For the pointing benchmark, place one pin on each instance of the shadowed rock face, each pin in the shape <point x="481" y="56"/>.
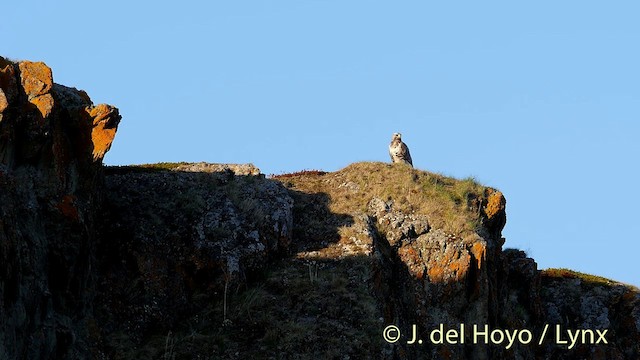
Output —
<point x="179" y="238"/>
<point x="201" y="261"/>
<point x="52" y="140"/>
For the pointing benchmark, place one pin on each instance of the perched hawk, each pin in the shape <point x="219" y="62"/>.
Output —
<point x="399" y="151"/>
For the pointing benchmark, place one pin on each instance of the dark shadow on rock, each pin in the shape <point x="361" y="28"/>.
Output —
<point x="315" y="225"/>
<point x="50" y="194"/>
<point x="175" y="241"/>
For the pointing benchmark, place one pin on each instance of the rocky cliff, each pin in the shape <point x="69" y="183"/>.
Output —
<point x="52" y="140"/>
<point x="202" y="261"/>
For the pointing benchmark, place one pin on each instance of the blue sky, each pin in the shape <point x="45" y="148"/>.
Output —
<point x="539" y="99"/>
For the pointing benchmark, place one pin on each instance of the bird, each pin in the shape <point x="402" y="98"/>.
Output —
<point x="399" y="151"/>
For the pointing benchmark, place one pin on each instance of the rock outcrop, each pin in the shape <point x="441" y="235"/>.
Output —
<point x="181" y="238"/>
<point x="199" y="261"/>
<point x="52" y="140"/>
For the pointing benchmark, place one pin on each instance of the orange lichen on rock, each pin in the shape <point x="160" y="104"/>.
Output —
<point x="28" y="87"/>
<point x="453" y="265"/>
<point x="495" y="216"/>
<point x="8" y="82"/>
<point x="36" y="78"/>
<point x="44" y="103"/>
<point x="4" y="103"/>
<point x="496" y="203"/>
<point x="105" y="124"/>
<point x="412" y="259"/>
<point x="479" y="251"/>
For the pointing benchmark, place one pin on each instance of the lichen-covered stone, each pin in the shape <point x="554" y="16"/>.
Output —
<point x="4" y="103"/>
<point x="36" y="78"/>
<point x="105" y="124"/>
<point x="44" y="104"/>
<point x="8" y="80"/>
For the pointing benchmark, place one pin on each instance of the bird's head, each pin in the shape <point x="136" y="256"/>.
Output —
<point x="396" y="136"/>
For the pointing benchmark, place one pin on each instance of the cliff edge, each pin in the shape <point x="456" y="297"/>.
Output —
<point x="52" y="140"/>
<point x="200" y="261"/>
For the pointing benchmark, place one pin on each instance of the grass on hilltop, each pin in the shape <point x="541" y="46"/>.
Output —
<point x="448" y="203"/>
<point x="562" y="273"/>
<point x="143" y="168"/>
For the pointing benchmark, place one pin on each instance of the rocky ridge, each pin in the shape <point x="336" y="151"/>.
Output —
<point x="201" y="261"/>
